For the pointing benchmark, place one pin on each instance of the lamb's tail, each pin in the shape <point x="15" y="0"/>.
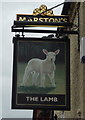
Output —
<point x="26" y="76"/>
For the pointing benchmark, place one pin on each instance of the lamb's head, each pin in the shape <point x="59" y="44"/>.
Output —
<point x="51" y="55"/>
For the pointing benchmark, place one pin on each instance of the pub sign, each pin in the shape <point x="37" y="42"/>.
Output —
<point x="41" y="73"/>
<point x="43" y="18"/>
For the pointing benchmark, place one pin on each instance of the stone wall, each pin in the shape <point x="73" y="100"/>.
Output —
<point x="82" y="33"/>
<point x="77" y="69"/>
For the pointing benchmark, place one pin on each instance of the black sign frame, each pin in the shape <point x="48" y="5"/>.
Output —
<point x="33" y="101"/>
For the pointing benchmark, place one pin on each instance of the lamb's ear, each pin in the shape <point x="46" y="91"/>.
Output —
<point x="57" y="52"/>
<point x="45" y="51"/>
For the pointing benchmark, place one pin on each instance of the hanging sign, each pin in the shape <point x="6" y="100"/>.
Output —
<point x="31" y="18"/>
<point x="41" y="74"/>
<point x="46" y="17"/>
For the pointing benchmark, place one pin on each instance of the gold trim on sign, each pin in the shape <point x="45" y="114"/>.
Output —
<point x="45" y="16"/>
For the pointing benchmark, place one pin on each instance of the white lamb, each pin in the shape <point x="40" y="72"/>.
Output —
<point x="40" y="67"/>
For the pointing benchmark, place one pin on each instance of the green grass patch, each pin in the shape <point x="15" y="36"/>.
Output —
<point x="34" y="89"/>
<point x="60" y="80"/>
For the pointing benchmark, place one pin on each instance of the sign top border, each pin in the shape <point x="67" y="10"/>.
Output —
<point x="42" y="16"/>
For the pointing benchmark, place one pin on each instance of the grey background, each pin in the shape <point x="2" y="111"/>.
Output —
<point x="8" y="11"/>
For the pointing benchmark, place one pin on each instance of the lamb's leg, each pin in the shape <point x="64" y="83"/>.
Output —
<point x="25" y="77"/>
<point x="34" y="78"/>
<point x="43" y="80"/>
<point x="51" y="76"/>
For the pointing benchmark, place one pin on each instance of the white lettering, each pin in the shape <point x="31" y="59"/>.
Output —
<point x="32" y="99"/>
<point x="49" y="99"/>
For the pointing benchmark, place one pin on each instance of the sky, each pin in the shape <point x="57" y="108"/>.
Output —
<point x="8" y="11"/>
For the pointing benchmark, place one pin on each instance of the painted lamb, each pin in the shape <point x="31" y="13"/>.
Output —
<point x="40" y="67"/>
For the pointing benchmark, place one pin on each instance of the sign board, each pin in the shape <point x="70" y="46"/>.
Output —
<point x="44" y="21"/>
<point x="41" y="73"/>
<point x="61" y="18"/>
<point x="43" y="18"/>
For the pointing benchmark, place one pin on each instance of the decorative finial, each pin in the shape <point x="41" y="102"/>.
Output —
<point x="41" y="9"/>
